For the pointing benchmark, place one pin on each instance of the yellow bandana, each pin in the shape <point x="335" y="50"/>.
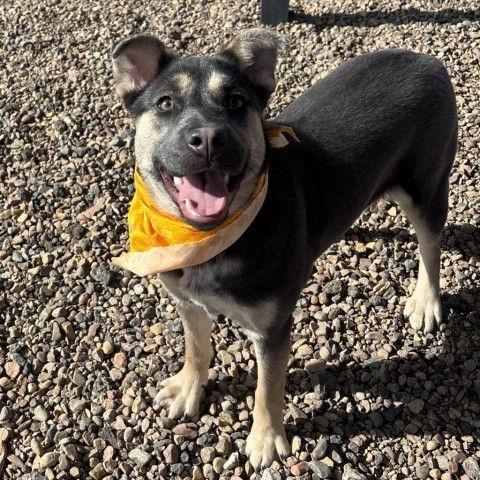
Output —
<point x="160" y="242"/>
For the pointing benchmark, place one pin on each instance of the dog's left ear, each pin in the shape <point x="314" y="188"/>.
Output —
<point x="255" y="52"/>
<point x="136" y="61"/>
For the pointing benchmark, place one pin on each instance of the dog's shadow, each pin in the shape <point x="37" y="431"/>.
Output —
<point x="377" y="17"/>
<point x="426" y="389"/>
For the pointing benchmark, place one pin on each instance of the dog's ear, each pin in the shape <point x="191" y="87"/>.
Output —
<point x="136" y="61"/>
<point x="255" y="52"/>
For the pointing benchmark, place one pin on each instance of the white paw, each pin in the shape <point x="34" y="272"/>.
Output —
<point x="424" y="310"/>
<point x="182" y="393"/>
<point x="266" y="443"/>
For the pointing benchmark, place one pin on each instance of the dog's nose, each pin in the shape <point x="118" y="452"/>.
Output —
<point x="207" y="141"/>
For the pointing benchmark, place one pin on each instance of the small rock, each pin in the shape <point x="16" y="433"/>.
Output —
<point x="299" y="469"/>
<point x="296" y="444"/>
<point x="78" y="379"/>
<point x="232" y="462"/>
<point x="472" y="468"/>
<point x="207" y="454"/>
<point x="185" y="430"/>
<point x="12" y="369"/>
<point x="422" y="471"/>
<point x="98" y="472"/>
<point x="218" y="464"/>
<point x="271" y="474"/>
<point x="107" y="348"/>
<point x="298" y="415"/>
<point x="431" y="445"/>
<point x="350" y="473"/>
<point x="170" y="454"/>
<point x="49" y="459"/>
<point x="41" y="414"/>
<point x="120" y="360"/>
<point x="17" y="257"/>
<point x="320" y="449"/>
<point x="141" y="457"/>
<point x="56" y="332"/>
<point x="128" y="434"/>
<point x="68" y="330"/>
<point x="416" y="406"/>
<point x="320" y="469"/>
<point x="224" y="445"/>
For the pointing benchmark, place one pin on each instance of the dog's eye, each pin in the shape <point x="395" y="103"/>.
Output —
<point x="165" y="104"/>
<point x="236" y="101"/>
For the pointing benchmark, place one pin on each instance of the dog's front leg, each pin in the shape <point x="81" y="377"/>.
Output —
<point x="267" y="439"/>
<point x="182" y="392"/>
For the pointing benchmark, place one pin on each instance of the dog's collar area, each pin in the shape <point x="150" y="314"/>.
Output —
<point x="160" y="242"/>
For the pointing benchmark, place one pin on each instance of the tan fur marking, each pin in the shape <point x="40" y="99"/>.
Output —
<point x="185" y="82"/>
<point x="183" y="391"/>
<point x="215" y="83"/>
<point x="147" y="132"/>
<point x="267" y="439"/>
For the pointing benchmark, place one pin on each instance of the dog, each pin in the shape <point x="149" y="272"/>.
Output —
<point x="382" y="125"/>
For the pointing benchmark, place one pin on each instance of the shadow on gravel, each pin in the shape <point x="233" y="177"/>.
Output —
<point x="426" y="392"/>
<point x="400" y="16"/>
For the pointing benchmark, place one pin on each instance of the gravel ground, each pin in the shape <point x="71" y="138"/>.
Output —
<point x="84" y="347"/>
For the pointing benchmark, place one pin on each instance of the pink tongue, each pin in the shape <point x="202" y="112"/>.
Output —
<point x="207" y="193"/>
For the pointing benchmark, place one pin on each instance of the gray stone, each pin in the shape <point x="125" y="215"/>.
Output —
<point x="416" y="406"/>
<point x="471" y="468"/>
<point x="140" y="457"/>
<point x="320" y="449"/>
<point x="271" y="474"/>
<point x="320" y="469"/>
<point x="350" y="473"/>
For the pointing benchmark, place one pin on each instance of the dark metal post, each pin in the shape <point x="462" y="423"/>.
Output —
<point x="274" y="12"/>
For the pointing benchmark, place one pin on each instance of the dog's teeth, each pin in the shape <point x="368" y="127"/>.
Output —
<point x="226" y="178"/>
<point x="177" y="181"/>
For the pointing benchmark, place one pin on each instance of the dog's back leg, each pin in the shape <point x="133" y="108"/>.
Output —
<point x="423" y="308"/>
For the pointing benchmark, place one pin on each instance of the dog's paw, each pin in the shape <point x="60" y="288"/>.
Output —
<point x="181" y="393"/>
<point x="266" y="443"/>
<point x="424" y="311"/>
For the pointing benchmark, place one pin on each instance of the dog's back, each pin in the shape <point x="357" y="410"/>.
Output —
<point x="380" y="122"/>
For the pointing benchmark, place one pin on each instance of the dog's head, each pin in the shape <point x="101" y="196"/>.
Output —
<point x="199" y="144"/>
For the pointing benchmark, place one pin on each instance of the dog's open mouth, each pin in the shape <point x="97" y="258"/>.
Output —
<point x="203" y="197"/>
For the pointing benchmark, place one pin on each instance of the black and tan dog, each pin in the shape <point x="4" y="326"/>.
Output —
<point x="383" y="124"/>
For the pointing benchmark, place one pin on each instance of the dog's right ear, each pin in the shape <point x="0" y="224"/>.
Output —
<point x="136" y="61"/>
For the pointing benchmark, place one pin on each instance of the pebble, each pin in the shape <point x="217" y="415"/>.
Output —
<point x="41" y="413"/>
<point x="224" y="446"/>
<point x="320" y="469"/>
<point x="472" y="468"/>
<point x="78" y="378"/>
<point x="98" y="472"/>
<point x="299" y="469"/>
<point x="416" y="406"/>
<point x="271" y="474"/>
<point x="320" y="449"/>
<point x="49" y="459"/>
<point x="120" y="360"/>
<point x="56" y="332"/>
<point x="207" y="454"/>
<point x="170" y="454"/>
<point x="140" y="457"/>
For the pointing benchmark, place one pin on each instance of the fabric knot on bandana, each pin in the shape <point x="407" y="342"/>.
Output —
<point x="160" y="242"/>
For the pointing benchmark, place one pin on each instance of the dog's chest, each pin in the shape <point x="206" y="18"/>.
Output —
<point x="205" y="287"/>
